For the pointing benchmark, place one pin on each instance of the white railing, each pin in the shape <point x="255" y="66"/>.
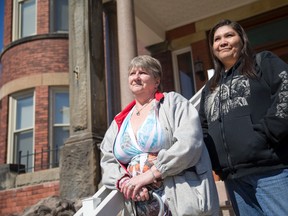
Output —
<point x="108" y="202"/>
<point x="111" y="202"/>
<point x="104" y="202"/>
<point x="195" y="100"/>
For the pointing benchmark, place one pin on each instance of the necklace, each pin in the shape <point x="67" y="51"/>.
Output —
<point x="138" y="111"/>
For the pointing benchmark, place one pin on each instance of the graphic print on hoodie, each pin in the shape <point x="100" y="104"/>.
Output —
<point x="229" y="95"/>
<point x="283" y="96"/>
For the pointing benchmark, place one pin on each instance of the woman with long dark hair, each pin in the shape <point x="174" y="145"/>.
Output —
<point x="244" y="116"/>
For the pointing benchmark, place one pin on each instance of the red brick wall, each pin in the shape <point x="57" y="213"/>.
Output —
<point x="167" y="80"/>
<point x="41" y="126"/>
<point x="8" y="18"/>
<point x="3" y="129"/>
<point x="34" y="57"/>
<point x="16" y="200"/>
<point x="200" y="51"/>
<point x="42" y="17"/>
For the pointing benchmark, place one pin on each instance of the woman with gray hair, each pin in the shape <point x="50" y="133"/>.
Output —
<point x="155" y="144"/>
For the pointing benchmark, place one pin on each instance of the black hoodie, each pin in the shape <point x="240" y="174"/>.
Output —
<point x="245" y="121"/>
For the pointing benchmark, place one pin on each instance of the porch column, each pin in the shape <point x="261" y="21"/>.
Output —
<point x="80" y="172"/>
<point x="127" y="45"/>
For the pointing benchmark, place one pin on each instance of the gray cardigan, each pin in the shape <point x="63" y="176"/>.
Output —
<point x="183" y="148"/>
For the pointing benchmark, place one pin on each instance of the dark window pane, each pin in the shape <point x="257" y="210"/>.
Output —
<point x="24" y="144"/>
<point x="186" y="75"/>
<point x="269" y="32"/>
<point x="59" y="16"/>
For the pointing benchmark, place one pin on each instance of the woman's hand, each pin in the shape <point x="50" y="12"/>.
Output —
<point x="142" y="195"/>
<point x="135" y="187"/>
<point x="128" y="189"/>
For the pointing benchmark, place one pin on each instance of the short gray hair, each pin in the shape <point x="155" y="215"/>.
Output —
<point x="148" y="63"/>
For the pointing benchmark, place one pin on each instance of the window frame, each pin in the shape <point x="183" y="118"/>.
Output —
<point x="52" y="92"/>
<point x="11" y="148"/>
<point x="177" y="82"/>
<point x="16" y="30"/>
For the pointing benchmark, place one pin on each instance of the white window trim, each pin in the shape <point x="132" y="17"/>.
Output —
<point x="52" y="92"/>
<point x="12" y="123"/>
<point x="16" y="16"/>
<point x="176" y="69"/>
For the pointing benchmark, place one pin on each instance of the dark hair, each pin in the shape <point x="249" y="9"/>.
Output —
<point x="246" y="54"/>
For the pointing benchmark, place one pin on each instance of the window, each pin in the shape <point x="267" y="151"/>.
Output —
<point x="24" y="20"/>
<point x="21" y="130"/>
<point x="183" y="72"/>
<point x="59" y="16"/>
<point x="270" y="36"/>
<point x="267" y="33"/>
<point x="60" y="121"/>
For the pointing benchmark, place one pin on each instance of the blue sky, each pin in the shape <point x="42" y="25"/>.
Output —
<point x="1" y="23"/>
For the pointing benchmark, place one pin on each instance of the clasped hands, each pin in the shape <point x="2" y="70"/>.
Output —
<point x="135" y="187"/>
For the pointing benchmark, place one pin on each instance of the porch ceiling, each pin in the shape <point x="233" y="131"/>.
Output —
<point x="154" y="17"/>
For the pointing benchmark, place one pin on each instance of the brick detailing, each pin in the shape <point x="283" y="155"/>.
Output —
<point x="35" y="57"/>
<point x="15" y="201"/>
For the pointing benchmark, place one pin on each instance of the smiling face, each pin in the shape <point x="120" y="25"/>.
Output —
<point x="142" y="83"/>
<point x="227" y="45"/>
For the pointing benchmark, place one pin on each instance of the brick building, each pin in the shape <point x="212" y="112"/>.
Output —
<point x="34" y="87"/>
<point x="37" y="73"/>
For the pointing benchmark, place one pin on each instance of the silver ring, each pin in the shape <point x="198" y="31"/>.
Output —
<point x="131" y="186"/>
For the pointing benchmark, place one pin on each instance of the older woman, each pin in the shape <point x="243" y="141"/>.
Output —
<point x="155" y="141"/>
<point x="244" y="115"/>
